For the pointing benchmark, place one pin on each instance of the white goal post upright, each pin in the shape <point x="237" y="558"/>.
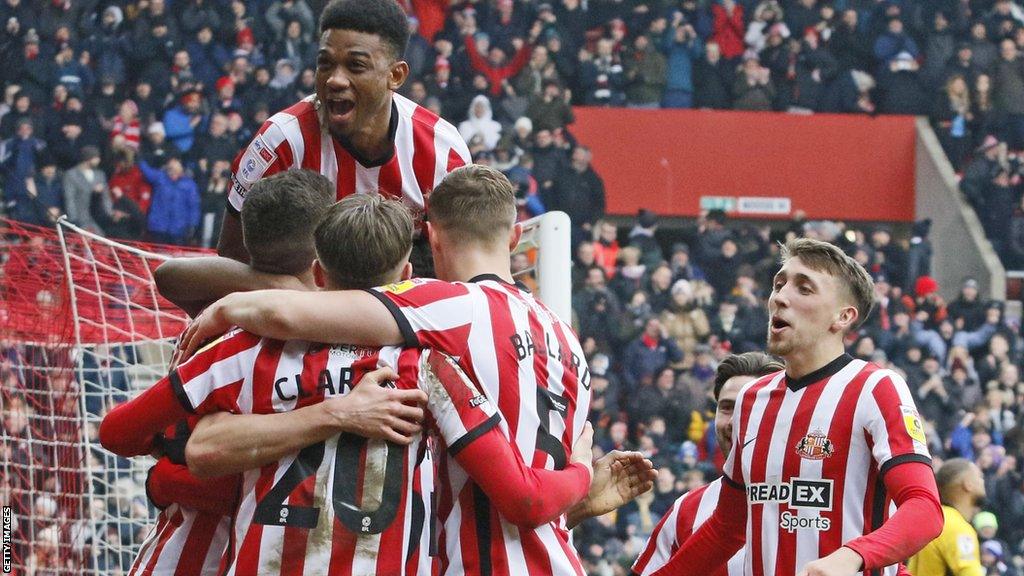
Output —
<point x="546" y="238"/>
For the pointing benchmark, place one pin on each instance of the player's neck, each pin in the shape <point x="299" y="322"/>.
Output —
<point x="964" y="504"/>
<point x="464" y="264"/>
<point x="802" y="362"/>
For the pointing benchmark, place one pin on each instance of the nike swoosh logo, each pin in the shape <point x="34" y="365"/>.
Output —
<point x="747" y="443"/>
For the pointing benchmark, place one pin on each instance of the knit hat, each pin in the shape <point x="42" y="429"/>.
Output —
<point x="925" y="285"/>
<point x="89" y="153"/>
<point x="156" y="128"/>
<point x="985" y="520"/>
<point x="993" y="547"/>
<point x="223" y="82"/>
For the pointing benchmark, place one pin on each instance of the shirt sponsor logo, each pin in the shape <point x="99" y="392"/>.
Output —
<point x="257" y="158"/>
<point x="265" y="152"/>
<point x="791" y="522"/>
<point x="815" y="446"/>
<point x="477" y="400"/>
<point x="912" y="422"/>
<point x="798" y="493"/>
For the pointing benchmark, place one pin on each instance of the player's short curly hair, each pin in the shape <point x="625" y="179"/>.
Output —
<point x="363" y="240"/>
<point x="385" y="18"/>
<point x="278" y="218"/>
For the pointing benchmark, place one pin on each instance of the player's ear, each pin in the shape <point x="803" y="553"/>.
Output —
<point x="846" y="319"/>
<point x="517" y="233"/>
<point x="319" y="274"/>
<point x="431" y="233"/>
<point x="398" y="73"/>
<point x="407" y="270"/>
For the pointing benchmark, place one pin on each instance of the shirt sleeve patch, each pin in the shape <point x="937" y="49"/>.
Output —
<point x="913" y="424"/>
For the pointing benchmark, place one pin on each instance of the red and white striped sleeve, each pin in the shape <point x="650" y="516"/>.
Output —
<point x="892" y="421"/>
<point x="461" y="412"/>
<point x="213" y="379"/>
<point x="431" y="313"/>
<point x="662" y="542"/>
<point x="268" y="153"/>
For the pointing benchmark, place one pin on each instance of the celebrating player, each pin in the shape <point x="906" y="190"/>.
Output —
<point x="528" y="362"/>
<point x="822" y="451"/>
<point x="355" y="130"/>
<point x="955" y="551"/>
<point x="358" y="514"/>
<point x="195" y="513"/>
<point x="693" y="508"/>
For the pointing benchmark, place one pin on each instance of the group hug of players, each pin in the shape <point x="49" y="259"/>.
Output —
<point x="331" y="413"/>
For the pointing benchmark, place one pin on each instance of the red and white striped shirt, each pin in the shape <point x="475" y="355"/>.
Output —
<point x="531" y="366"/>
<point x="179" y="529"/>
<point x="686" y="515"/>
<point x="426" y="148"/>
<point x="811" y="454"/>
<point x="347" y="506"/>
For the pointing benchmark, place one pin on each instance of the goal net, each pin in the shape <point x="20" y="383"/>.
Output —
<point x="82" y="329"/>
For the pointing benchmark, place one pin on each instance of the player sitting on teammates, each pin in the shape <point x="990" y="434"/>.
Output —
<point x="691" y="509"/>
<point x="342" y="504"/>
<point x="356" y="130"/>
<point x="526" y="359"/>
<point x="196" y="513"/>
<point x="822" y="451"/>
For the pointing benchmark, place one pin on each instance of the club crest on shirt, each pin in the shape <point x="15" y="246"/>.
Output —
<point x="912" y="422"/>
<point x="815" y="446"/>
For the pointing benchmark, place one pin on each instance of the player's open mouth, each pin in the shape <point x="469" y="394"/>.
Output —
<point x="339" y="109"/>
<point x="778" y="325"/>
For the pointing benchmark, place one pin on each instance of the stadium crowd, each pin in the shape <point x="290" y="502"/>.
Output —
<point x="125" y="116"/>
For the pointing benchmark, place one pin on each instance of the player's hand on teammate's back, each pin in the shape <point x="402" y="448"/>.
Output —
<point x="376" y="411"/>
<point x="842" y="562"/>
<point x="208" y="324"/>
<point x="583" y="449"/>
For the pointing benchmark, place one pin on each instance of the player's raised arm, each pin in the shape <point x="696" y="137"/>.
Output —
<point x="192" y="283"/>
<point x="350" y="316"/>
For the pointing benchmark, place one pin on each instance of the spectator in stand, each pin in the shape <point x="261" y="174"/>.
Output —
<point x="481" y="124"/>
<point x="216" y="144"/>
<point x="815" y="68"/>
<point x="549" y="161"/>
<point x="646" y="355"/>
<point x="606" y="248"/>
<point x="602" y="80"/>
<point x="579" y="192"/>
<point x="753" y="89"/>
<point x="492" y="61"/>
<point x="127" y="125"/>
<point x="683" y="319"/>
<point x="215" y="185"/>
<point x="902" y="86"/>
<point x="208" y="55"/>
<point x="296" y="46"/>
<point x="1008" y="92"/>
<point x="985" y="52"/>
<point x="529" y="83"/>
<point x="713" y="80"/>
<point x="728" y="29"/>
<point x="682" y="47"/>
<point x="851" y="47"/>
<point x="157" y="149"/>
<point x="44" y="194"/>
<point x="939" y="50"/>
<point x="953" y="117"/>
<point x="184" y="121"/>
<point x="281" y="12"/>
<point x="18" y="163"/>
<point x="893" y="42"/>
<point x="550" y="110"/>
<point x="982" y="170"/>
<point x="83" y="185"/>
<point x="174" y="212"/>
<point x="646" y="70"/>
<point x="641" y="237"/>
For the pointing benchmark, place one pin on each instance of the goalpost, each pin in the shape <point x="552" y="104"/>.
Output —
<point x="82" y="328"/>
